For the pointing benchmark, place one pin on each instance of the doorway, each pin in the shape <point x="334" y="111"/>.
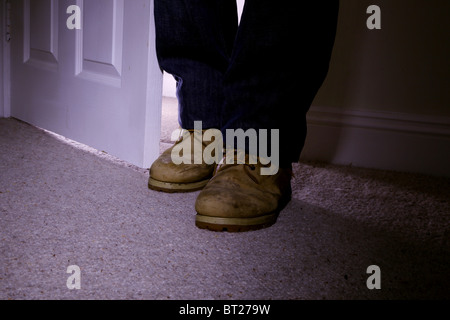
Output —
<point x="99" y="85"/>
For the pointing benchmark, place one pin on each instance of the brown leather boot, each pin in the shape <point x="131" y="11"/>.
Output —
<point x="166" y="176"/>
<point x="238" y="198"/>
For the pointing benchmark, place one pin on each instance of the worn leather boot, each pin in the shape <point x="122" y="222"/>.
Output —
<point x="167" y="176"/>
<point x="238" y="198"/>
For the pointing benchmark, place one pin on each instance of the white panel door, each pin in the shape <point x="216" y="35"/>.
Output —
<point x="99" y="85"/>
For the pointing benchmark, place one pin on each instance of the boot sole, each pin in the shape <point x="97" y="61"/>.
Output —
<point x="170" y="187"/>
<point x="235" y="224"/>
<point x="220" y="224"/>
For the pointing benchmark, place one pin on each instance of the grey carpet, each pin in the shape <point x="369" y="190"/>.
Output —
<point x="61" y="205"/>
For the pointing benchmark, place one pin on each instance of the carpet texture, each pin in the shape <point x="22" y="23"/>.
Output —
<point x="63" y="205"/>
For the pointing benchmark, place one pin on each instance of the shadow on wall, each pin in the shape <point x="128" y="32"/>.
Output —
<point x="341" y="85"/>
<point x="400" y="72"/>
<point x="401" y="68"/>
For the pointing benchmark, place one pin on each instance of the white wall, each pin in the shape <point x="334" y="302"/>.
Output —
<point x="240" y="4"/>
<point x="169" y="86"/>
<point x="404" y="67"/>
<point x="386" y="103"/>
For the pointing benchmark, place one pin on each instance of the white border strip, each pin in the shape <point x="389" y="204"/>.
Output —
<point x="407" y="123"/>
<point x="381" y="140"/>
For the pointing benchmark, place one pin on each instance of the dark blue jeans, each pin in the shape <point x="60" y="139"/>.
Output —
<point x="262" y="74"/>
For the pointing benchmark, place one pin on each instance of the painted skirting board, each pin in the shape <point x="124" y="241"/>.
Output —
<point x="381" y="140"/>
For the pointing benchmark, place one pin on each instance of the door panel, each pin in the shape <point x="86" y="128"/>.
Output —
<point x="100" y="85"/>
<point x="40" y="36"/>
<point x="101" y="45"/>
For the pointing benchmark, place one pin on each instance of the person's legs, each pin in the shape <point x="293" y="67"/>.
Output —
<point x="280" y="59"/>
<point x="194" y="40"/>
<point x="264" y="77"/>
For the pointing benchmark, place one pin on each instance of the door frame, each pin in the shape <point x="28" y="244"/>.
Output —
<point x="5" y="65"/>
<point x="154" y="97"/>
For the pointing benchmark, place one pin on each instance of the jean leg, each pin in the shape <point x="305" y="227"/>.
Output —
<point x="194" y="40"/>
<point x="280" y="59"/>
